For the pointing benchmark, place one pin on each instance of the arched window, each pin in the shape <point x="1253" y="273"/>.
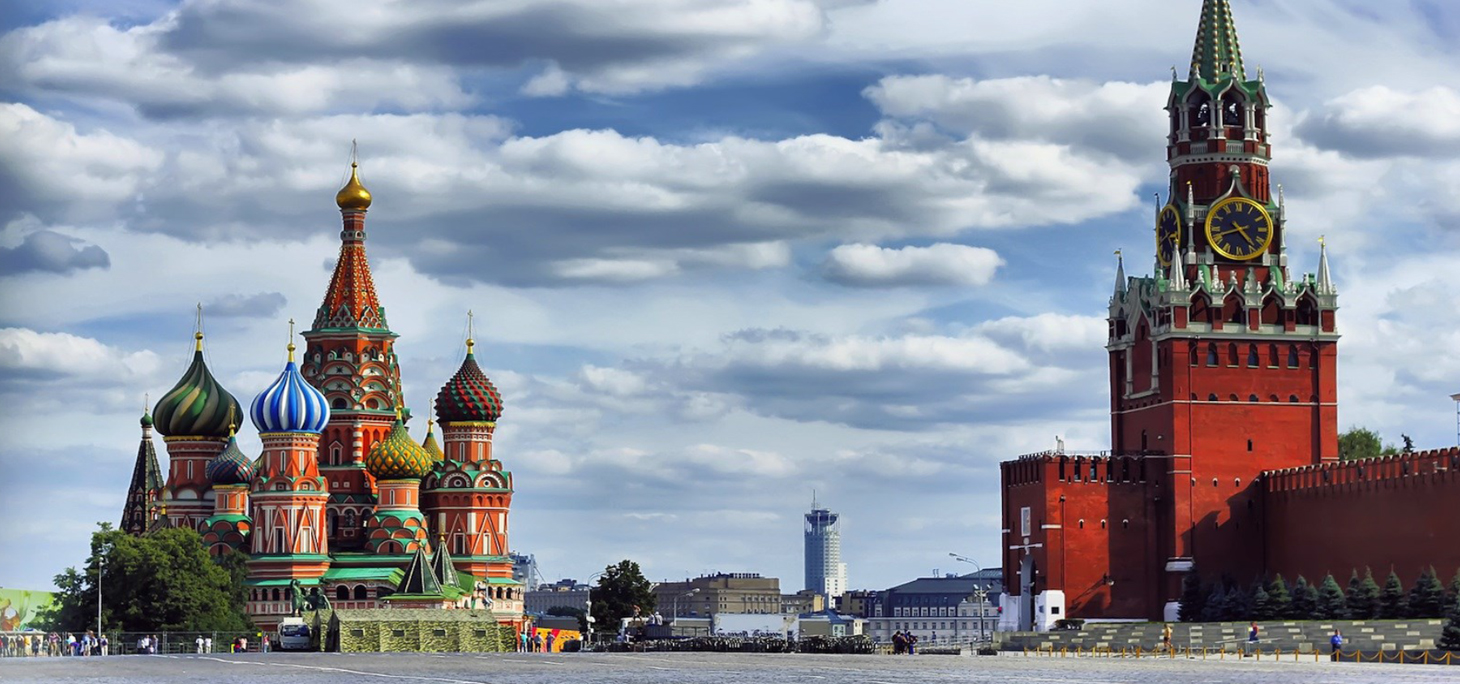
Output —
<point x="1212" y="355"/>
<point x="1252" y="361"/>
<point x="1212" y="397"/>
<point x="337" y="403"/>
<point x="342" y="593"/>
<point x="1232" y="111"/>
<point x="360" y="594"/>
<point x="1272" y="355"/>
<point x="276" y="594"/>
<point x="1232" y="355"/>
<point x="1252" y="398"/>
<point x="1292" y="356"/>
<point x="1082" y="523"/>
<point x="1292" y="398"/>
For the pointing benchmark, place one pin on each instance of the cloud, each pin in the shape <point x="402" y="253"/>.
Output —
<point x="1380" y="122"/>
<point x="45" y="355"/>
<point x="261" y="305"/>
<point x="862" y="265"/>
<point x="51" y="252"/>
<point x="49" y="167"/>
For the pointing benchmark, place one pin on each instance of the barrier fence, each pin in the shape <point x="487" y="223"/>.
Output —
<point x="1408" y="657"/>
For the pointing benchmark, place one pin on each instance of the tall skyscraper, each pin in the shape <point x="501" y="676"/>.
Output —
<point x="825" y="571"/>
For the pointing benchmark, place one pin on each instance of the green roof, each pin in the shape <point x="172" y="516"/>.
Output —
<point x="418" y="579"/>
<point x="415" y="614"/>
<point x="386" y="574"/>
<point x="1217" y="55"/>
<point x="279" y="582"/>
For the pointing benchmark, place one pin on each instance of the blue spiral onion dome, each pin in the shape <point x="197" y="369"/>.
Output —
<point x="398" y="457"/>
<point x="291" y="404"/>
<point x="469" y="397"/>
<point x="197" y="406"/>
<point x="231" y="467"/>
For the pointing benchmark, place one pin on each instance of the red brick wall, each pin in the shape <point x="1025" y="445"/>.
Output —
<point x="1400" y="512"/>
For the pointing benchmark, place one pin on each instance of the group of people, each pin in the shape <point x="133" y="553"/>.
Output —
<point x="530" y="642"/>
<point x="53" y="644"/>
<point x="904" y="643"/>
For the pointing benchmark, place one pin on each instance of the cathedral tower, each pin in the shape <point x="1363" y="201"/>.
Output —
<point x="349" y="356"/>
<point x="289" y="495"/>
<point x="468" y="496"/>
<point x="398" y="464"/>
<point x="145" y="493"/>
<point x="230" y="472"/>
<point x="193" y="418"/>
<point x="1222" y="364"/>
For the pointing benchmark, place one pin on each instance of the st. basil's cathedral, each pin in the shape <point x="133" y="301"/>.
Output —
<point x="342" y="500"/>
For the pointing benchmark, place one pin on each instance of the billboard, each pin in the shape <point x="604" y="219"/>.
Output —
<point x="19" y="608"/>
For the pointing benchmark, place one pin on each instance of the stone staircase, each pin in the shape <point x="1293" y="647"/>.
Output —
<point x="1305" y="636"/>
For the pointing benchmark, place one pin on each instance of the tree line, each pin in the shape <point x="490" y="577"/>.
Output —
<point x="1274" y="599"/>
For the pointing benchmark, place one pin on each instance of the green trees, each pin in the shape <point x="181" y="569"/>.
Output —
<point x="1359" y="442"/>
<point x="1262" y="608"/>
<point x="1450" y="634"/>
<point x="1427" y="598"/>
<point x="620" y="590"/>
<point x="1280" y="601"/>
<point x="1392" y="602"/>
<point x="1363" y="596"/>
<point x="1331" y="604"/>
<point x="1193" y="599"/>
<point x="1304" y="605"/>
<point x="164" y="581"/>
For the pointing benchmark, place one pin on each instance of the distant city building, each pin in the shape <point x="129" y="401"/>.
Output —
<point x="735" y="592"/>
<point x="939" y="609"/>
<point x="565" y="593"/>
<point x="804" y="601"/>
<point x="826" y="574"/>
<point x="854" y="601"/>
<point x="524" y="569"/>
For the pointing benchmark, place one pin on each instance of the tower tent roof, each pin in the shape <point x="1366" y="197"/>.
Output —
<point x="443" y="566"/>
<point x="419" y="579"/>
<point x="1217" y="55"/>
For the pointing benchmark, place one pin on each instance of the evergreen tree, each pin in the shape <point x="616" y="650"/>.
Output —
<point x="1279" y="598"/>
<point x="1450" y="634"/>
<point x="1239" y="603"/>
<point x="1331" y="604"/>
<point x="1305" y="601"/>
<point x="1216" y="604"/>
<point x="1261" y="603"/>
<point x="1455" y="589"/>
<point x="1193" y="599"/>
<point x="1427" y="598"/>
<point x="622" y="592"/>
<point x="1392" y="604"/>
<point x="1363" y="596"/>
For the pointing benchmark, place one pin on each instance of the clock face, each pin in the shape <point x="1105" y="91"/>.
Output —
<point x="1168" y="234"/>
<point x="1239" y="228"/>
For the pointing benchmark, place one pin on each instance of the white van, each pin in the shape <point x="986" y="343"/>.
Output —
<point x="293" y="635"/>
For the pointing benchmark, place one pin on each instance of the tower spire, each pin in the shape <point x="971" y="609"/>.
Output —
<point x="1325" y="282"/>
<point x="1216" y="55"/>
<point x="1119" y="273"/>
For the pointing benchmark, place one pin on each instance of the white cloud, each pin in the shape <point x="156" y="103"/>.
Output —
<point x="939" y="264"/>
<point x="46" y="162"/>
<point x="23" y="350"/>
<point x="1379" y="121"/>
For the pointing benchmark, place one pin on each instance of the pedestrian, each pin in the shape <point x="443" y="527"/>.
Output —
<point x="1335" y="641"/>
<point x="899" y="643"/>
<point x="550" y="641"/>
<point x="1252" y="631"/>
<point x="265" y="643"/>
<point x="522" y="646"/>
<point x="1166" y="637"/>
<point x="537" y="643"/>
<point x="208" y="644"/>
<point x="70" y="644"/>
<point x="199" y="643"/>
<point x="105" y="645"/>
<point x="912" y="644"/>
<point x="35" y="645"/>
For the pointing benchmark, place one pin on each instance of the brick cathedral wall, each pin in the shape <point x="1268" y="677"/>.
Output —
<point x="1400" y="512"/>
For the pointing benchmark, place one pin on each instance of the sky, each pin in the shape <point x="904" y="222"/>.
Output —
<point x="722" y="253"/>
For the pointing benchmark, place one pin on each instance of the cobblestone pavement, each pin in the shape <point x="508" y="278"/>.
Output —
<point x="695" y="668"/>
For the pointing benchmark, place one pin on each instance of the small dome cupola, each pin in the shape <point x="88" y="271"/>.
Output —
<point x="398" y="457"/>
<point x="197" y="406"/>
<point x="290" y="404"/>
<point x="354" y="196"/>
<point x="433" y="449"/>
<point x="231" y="467"/>
<point x="469" y="397"/>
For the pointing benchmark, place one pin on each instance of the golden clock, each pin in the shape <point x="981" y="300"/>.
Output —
<point x="1239" y="228"/>
<point x="1168" y="234"/>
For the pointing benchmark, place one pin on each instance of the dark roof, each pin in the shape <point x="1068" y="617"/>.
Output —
<point x="419" y="579"/>
<point x="964" y="584"/>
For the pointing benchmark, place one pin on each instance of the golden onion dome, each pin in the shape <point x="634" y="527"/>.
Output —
<point x="353" y="196"/>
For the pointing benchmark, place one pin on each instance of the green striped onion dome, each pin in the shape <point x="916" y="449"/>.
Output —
<point x="398" y="457"/>
<point x="197" y="406"/>
<point x="469" y="397"/>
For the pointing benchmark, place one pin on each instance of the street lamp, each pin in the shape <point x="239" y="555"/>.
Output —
<point x="966" y="559"/>
<point x="691" y="592"/>
<point x="980" y="593"/>
<point x="1456" y="397"/>
<point x="100" y="569"/>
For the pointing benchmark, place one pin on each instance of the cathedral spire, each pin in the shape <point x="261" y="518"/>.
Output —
<point x="1119" y="274"/>
<point x="350" y="302"/>
<point x="1217" y="55"/>
<point x="146" y="489"/>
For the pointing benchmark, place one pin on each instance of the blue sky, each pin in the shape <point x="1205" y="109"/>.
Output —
<point x="722" y="252"/>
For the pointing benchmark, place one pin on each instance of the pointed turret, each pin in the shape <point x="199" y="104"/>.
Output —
<point x="1325" y="282"/>
<point x="1217" y="55"/>
<point x="419" y="580"/>
<point x="430" y="445"/>
<point x="142" y="495"/>
<point x="443" y="566"/>
<point x="1120" y="283"/>
<point x="1178" y="272"/>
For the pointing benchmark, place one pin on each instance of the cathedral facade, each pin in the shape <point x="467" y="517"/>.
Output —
<point x="1223" y="402"/>
<point x="342" y="501"/>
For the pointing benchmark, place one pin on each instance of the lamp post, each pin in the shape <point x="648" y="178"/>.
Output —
<point x="1456" y="397"/>
<point x="966" y="559"/>
<point x="100" y="570"/>
<point x="980" y="593"/>
<point x="691" y="592"/>
<point x="588" y="608"/>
